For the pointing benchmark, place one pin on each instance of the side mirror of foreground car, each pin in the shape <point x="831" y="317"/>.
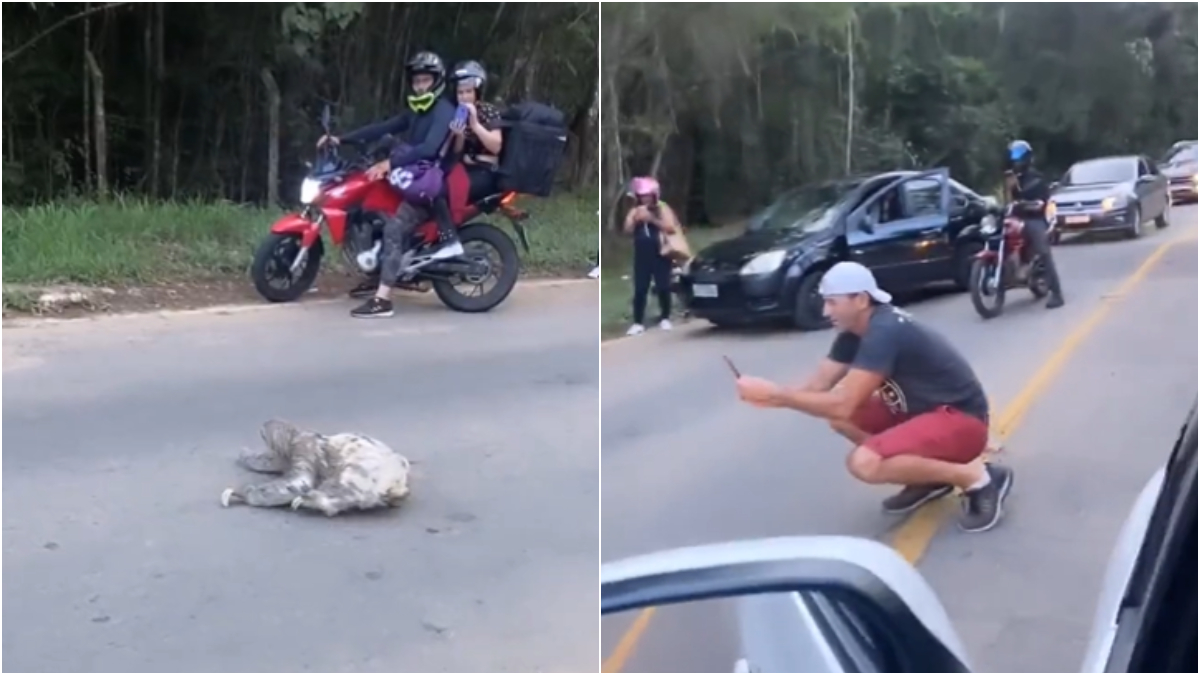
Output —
<point x="792" y="605"/>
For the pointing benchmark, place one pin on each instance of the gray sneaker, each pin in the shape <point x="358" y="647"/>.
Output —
<point x="913" y="496"/>
<point x="983" y="508"/>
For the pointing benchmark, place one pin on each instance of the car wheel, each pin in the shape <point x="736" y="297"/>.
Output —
<point x="1135" y="224"/>
<point x="964" y="257"/>
<point x="808" y="311"/>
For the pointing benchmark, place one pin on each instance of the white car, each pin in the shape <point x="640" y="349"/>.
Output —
<point x="850" y="605"/>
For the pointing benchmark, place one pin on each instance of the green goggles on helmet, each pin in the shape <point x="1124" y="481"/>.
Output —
<point x="423" y="102"/>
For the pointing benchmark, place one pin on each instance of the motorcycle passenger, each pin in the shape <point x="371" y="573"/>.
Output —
<point x="477" y="140"/>
<point x="1025" y="183"/>
<point x="425" y="127"/>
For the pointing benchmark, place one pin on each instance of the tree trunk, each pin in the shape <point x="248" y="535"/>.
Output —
<point x="87" y="105"/>
<point x="160" y="76"/>
<point x="101" y="128"/>
<point x="273" y="105"/>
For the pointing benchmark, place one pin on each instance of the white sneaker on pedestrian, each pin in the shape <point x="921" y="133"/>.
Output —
<point x="595" y="273"/>
<point x="665" y="324"/>
<point x="636" y="329"/>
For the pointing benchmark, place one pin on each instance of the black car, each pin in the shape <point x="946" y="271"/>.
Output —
<point x="910" y="228"/>
<point x="1111" y="194"/>
<point x="1179" y="166"/>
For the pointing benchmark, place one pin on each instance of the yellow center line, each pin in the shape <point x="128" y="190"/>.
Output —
<point x="913" y="536"/>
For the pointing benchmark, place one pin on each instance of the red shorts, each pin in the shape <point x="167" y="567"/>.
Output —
<point x="945" y="433"/>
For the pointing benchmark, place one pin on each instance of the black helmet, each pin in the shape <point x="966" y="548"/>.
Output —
<point x="426" y="63"/>
<point x="1020" y="155"/>
<point x="472" y="72"/>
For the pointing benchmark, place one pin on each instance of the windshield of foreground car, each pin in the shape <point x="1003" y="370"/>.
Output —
<point x="807" y="209"/>
<point x="1098" y="171"/>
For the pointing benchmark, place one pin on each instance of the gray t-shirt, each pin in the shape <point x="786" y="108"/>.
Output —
<point x="922" y="370"/>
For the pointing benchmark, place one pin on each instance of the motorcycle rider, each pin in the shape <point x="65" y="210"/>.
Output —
<point x="425" y="127"/>
<point x="1025" y="183"/>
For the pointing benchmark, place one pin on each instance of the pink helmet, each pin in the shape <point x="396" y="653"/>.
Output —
<point x="644" y="185"/>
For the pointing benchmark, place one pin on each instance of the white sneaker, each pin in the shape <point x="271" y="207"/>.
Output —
<point x="450" y="250"/>
<point x="595" y="273"/>
<point x="636" y="329"/>
<point x="665" y="324"/>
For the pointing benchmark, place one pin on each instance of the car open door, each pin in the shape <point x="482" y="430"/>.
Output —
<point x="900" y="251"/>
<point x="1146" y="618"/>
<point x="804" y="604"/>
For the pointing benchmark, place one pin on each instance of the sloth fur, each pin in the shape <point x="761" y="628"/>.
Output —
<point x="330" y="474"/>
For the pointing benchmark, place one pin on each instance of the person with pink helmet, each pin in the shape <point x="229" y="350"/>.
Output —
<point x="646" y="222"/>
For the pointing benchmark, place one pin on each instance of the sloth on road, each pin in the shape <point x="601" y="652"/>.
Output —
<point x="330" y="474"/>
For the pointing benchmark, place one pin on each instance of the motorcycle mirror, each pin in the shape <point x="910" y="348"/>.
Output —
<point x="766" y="605"/>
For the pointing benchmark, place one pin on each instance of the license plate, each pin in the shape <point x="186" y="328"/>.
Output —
<point x="704" y="290"/>
<point x="1078" y="220"/>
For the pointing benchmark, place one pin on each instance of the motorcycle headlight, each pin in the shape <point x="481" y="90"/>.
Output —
<point x="988" y="225"/>
<point x="309" y="190"/>
<point x="764" y="263"/>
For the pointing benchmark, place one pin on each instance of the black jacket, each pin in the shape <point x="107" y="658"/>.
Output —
<point x="425" y="132"/>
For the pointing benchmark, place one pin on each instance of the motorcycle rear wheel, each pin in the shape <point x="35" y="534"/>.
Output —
<point x="982" y="272"/>
<point x="476" y="237"/>
<point x="270" y="269"/>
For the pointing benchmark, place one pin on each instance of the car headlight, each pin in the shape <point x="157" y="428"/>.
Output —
<point x="309" y="190"/>
<point x="988" y="225"/>
<point x="764" y="263"/>
<point x="1110" y="203"/>
<point x="1195" y="179"/>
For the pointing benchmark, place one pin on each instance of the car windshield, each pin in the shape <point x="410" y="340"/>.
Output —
<point x="1098" y="171"/>
<point x="807" y="209"/>
<point x="1184" y="155"/>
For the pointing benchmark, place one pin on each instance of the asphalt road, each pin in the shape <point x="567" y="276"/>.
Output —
<point x="684" y="463"/>
<point x="121" y="434"/>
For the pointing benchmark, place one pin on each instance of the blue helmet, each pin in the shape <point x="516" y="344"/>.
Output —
<point x="1020" y="154"/>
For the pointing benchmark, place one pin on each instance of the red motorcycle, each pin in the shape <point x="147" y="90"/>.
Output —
<point x="337" y="196"/>
<point x="1006" y="261"/>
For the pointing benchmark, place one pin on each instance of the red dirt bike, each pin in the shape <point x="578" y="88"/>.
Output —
<point x="338" y="196"/>
<point x="1006" y="261"/>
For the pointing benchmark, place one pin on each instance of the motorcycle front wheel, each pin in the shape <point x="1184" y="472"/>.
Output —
<point x="493" y="258"/>
<point x="271" y="269"/>
<point x="986" y="296"/>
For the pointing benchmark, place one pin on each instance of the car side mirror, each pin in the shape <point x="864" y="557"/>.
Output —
<point x="787" y="605"/>
<point x="1054" y="186"/>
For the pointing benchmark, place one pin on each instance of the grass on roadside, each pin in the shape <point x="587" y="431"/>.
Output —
<point x="132" y="241"/>
<point x="616" y="281"/>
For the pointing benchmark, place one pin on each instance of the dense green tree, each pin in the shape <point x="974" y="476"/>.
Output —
<point x="220" y="100"/>
<point x="730" y="103"/>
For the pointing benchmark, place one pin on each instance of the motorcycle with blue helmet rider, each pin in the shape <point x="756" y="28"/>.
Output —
<point x="1024" y="184"/>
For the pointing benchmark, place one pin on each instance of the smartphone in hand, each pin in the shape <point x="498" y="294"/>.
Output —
<point x="736" y="373"/>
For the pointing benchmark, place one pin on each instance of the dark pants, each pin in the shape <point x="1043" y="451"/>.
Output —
<point x="650" y="265"/>
<point x="1039" y="243"/>
<point x="482" y="180"/>
<point x="398" y="229"/>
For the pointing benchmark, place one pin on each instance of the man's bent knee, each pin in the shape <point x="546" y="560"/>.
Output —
<point x="865" y="464"/>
